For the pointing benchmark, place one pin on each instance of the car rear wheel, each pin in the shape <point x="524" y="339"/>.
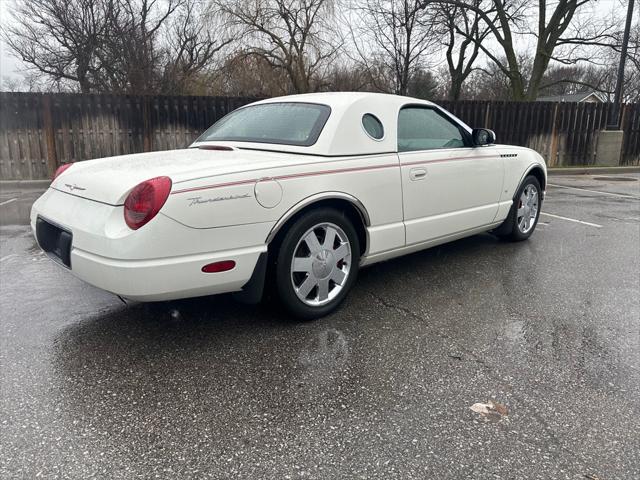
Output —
<point x="317" y="263"/>
<point x="524" y="213"/>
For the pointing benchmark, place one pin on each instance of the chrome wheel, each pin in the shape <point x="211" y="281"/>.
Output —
<point x="528" y="209"/>
<point x="321" y="264"/>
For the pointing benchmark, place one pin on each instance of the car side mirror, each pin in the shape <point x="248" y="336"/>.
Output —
<point x="483" y="136"/>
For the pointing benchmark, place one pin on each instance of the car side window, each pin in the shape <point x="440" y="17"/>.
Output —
<point x="421" y="128"/>
<point x="373" y="126"/>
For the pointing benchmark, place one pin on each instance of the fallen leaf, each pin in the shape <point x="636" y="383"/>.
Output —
<point x="491" y="410"/>
<point x="498" y="407"/>
<point x="482" y="408"/>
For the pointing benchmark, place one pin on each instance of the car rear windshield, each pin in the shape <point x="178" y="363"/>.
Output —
<point x="290" y="123"/>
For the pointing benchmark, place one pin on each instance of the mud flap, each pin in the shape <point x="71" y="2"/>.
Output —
<point x="252" y="291"/>
<point x="507" y="226"/>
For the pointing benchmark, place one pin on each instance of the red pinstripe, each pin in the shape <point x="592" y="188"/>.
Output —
<point x="286" y="177"/>
<point x="441" y="160"/>
<point x="325" y="172"/>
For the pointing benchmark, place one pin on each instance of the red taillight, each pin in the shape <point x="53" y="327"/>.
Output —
<point x="218" y="267"/>
<point x="60" y="170"/>
<point x="145" y="201"/>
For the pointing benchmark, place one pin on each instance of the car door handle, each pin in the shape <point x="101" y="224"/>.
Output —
<point x="417" y="173"/>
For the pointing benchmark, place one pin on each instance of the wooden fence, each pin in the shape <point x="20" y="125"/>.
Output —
<point x="565" y="134"/>
<point x="38" y="132"/>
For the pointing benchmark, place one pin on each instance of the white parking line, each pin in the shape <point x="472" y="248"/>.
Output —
<point x="620" y="195"/>
<point x="8" y="201"/>
<point x="571" y="220"/>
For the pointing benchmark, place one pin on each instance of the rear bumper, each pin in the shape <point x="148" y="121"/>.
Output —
<point x="161" y="261"/>
<point x="166" y="278"/>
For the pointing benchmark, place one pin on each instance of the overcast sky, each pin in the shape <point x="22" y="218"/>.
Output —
<point x="10" y="67"/>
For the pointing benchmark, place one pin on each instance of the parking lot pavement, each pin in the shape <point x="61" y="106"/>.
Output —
<point x="548" y="330"/>
<point x="16" y="201"/>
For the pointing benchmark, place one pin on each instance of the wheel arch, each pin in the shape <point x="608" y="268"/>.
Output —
<point x="537" y="171"/>
<point x="353" y="208"/>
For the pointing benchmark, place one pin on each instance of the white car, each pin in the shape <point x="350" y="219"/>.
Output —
<point x="303" y="190"/>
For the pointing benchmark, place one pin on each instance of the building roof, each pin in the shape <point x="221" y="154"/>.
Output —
<point x="573" y="97"/>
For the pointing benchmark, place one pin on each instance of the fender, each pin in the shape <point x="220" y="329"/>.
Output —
<point x="527" y="171"/>
<point x="252" y="291"/>
<point x="508" y="224"/>
<point x="364" y="215"/>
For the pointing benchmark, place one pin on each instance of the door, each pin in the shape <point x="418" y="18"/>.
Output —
<point x="448" y="185"/>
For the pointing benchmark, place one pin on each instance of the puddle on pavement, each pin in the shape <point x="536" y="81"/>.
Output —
<point x="325" y="353"/>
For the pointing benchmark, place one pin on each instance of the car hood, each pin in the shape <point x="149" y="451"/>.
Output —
<point x="109" y="180"/>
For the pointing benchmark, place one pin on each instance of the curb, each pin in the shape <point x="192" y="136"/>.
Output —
<point x="24" y="184"/>
<point x="592" y="170"/>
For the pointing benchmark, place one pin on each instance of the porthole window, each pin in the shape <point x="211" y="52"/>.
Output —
<point x="372" y="126"/>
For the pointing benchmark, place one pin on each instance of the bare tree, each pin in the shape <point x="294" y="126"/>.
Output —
<point x="551" y="32"/>
<point x="423" y="84"/>
<point x="490" y="83"/>
<point x="192" y="47"/>
<point x="596" y="69"/>
<point x="118" y="46"/>
<point x="9" y="84"/>
<point x="569" y="79"/>
<point x="464" y="32"/>
<point x="631" y="81"/>
<point x="290" y="35"/>
<point x="349" y="78"/>
<point x="159" y="47"/>
<point x="391" y="39"/>
<point x="60" y="38"/>
<point x="249" y="75"/>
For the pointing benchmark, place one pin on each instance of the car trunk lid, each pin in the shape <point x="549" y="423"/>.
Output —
<point x="109" y="180"/>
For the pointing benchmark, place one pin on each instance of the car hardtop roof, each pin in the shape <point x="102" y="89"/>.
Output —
<point x="343" y="133"/>
<point x="342" y="100"/>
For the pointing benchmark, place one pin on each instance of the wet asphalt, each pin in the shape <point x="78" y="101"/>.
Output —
<point x="15" y="203"/>
<point x="548" y="329"/>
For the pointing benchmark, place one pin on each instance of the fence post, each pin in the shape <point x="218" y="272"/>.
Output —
<point x="49" y="135"/>
<point x="147" y="134"/>
<point x="553" y="154"/>
<point x="487" y="116"/>
<point x="625" y="134"/>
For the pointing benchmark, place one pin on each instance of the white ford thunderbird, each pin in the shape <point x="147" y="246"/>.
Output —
<point x="300" y="190"/>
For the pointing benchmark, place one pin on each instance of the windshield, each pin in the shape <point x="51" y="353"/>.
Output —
<point x="291" y="123"/>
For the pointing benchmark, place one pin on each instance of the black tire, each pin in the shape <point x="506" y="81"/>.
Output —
<point x="510" y="230"/>
<point x="291" y="242"/>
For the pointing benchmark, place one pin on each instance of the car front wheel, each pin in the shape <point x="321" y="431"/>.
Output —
<point x="317" y="263"/>
<point x="524" y="213"/>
